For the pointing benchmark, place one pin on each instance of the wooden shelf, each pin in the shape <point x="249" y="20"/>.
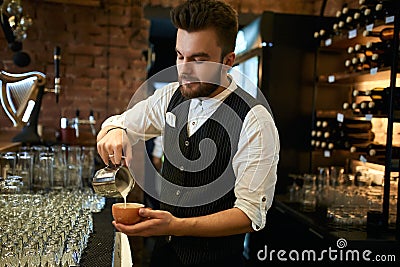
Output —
<point x="353" y="77"/>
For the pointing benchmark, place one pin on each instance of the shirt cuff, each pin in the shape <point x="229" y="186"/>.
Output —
<point x="116" y="120"/>
<point x="256" y="212"/>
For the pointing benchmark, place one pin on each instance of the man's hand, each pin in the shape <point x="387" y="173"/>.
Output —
<point x="155" y="223"/>
<point x="109" y="144"/>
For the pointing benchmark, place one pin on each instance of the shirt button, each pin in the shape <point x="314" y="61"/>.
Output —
<point x="186" y="143"/>
<point x="178" y="192"/>
<point x="193" y="123"/>
<point x="181" y="168"/>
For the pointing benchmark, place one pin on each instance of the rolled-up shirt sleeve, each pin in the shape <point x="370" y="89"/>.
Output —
<point x="146" y="119"/>
<point x="255" y="165"/>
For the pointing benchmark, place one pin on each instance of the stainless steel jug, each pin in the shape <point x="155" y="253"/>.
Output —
<point x="113" y="181"/>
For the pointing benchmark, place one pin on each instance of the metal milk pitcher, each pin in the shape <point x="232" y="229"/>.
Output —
<point x="113" y="181"/>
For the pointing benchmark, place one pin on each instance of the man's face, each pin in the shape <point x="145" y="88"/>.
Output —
<point x="196" y="51"/>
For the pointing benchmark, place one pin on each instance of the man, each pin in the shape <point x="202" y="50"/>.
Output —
<point x="213" y="192"/>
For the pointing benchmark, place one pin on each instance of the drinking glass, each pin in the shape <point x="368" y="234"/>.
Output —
<point x="88" y="164"/>
<point x="24" y="168"/>
<point x="309" y="192"/>
<point x="60" y="167"/>
<point x="323" y="178"/>
<point x="9" y="255"/>
<point x="7" y="164"/>
<point x="44" y="180"/>
<point x="336" y="176"/>
<point x="74" y="167"/>
<point x="30" y="256"/>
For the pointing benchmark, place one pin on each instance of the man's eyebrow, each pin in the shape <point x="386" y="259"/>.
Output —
<point x="199" y="54"/>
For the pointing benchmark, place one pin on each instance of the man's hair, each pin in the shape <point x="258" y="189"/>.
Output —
<point x="196" y="15"/>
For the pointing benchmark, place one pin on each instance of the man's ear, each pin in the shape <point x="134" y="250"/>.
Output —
<point x="229" y="59"/>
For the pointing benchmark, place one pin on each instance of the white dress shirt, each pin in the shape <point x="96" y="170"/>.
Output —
<point x="255" y="162"/>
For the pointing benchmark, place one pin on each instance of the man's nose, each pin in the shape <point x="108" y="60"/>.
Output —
<point x="185" y="67"/>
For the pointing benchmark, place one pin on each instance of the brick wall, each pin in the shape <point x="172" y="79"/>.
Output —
<point x="102" y="63"/>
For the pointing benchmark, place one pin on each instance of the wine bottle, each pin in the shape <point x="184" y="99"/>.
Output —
<point x="377" y="107"/>
<point x="346" y="11"/>
<point x="355" y="106"/>
<point x="366" y="17"/>
<point x="379" y="150"/>
<point x="349" y="133"/>
<point x="378" y="92"/>
<point x="346" y="20"/>
<point x="370" y="59"/>
<point x="324" y="35"/>
<point x="375" y="47"/>
<point x="312" y="142"/>
<point x="340" y="19"/>
<point x="367" y="2"/>
<point x="324" y="144"/>
<point x="349" y="125"/>
<point x="385" y="34"/>
<point x="383" y="12"/>
<point x="375" y="150"/>
<point x="357" y="125"/>
<point x="369" y="149"/>
<point x="346" y="105"/>
<point x="374" y="91"/>
<point x="355" y="65"/>
<point x="358" y="48"/>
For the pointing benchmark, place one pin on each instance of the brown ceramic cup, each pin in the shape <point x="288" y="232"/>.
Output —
<point x="128" y="214"/>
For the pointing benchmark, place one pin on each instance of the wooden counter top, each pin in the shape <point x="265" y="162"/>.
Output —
<point x="6" y="143"/>
<point x="9" y="146"/>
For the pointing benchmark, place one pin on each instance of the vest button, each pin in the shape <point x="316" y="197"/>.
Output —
<point x="181" y="168"/>
<point x="186" y="143"/>
<point x="178" y="192"/>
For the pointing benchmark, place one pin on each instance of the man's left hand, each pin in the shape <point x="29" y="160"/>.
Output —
<point x="155" y="223"/>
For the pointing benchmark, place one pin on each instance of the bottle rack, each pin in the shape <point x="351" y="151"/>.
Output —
<point x="339" y="80"/>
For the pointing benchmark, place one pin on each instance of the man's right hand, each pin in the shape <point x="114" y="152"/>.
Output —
<point x="109" y="144"/>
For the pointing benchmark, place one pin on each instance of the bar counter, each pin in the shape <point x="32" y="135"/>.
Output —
<point x="6" y="143"/>
<point x="100" y="248"/>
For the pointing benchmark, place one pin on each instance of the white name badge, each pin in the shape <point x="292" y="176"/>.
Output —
<point x="170" y="119"/>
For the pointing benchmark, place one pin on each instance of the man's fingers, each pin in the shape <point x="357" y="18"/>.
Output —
<point x="109" y="147"/>
<point x="150" y="213"/>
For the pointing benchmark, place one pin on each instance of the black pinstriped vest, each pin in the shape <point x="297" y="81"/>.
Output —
<point x="223" y="127"/>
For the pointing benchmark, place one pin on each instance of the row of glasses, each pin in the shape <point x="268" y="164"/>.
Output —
<point x="346" y="198"/>
<point x="50" y="229"/>
<point x="41" y="168"/>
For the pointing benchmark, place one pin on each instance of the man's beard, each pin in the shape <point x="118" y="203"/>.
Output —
<point x="197" y="89"/>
